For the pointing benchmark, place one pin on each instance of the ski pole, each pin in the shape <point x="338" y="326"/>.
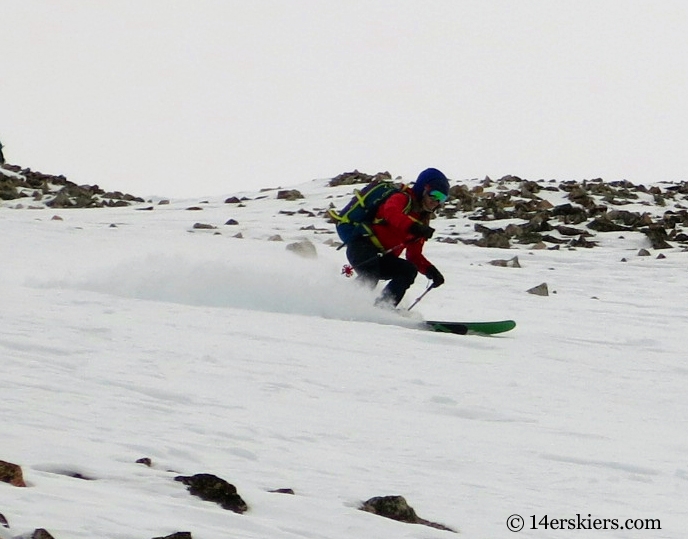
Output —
<point x="430" y="287"/>
<point x="387" y="251"/>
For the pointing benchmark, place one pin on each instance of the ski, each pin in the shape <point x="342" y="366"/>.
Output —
<point x="470" y="328"/>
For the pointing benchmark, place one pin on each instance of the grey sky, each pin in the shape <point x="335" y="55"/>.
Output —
<point x="196" y="97"/>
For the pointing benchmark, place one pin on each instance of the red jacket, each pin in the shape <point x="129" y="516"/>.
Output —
<point x="391" y="224"/>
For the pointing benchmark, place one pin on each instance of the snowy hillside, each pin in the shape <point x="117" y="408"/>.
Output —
<point x="158" y="331"/>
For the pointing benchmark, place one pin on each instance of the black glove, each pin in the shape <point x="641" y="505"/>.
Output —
<point x="434" y="274"/>
<point x="421" y="230"/>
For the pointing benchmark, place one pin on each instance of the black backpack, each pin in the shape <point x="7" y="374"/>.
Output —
<point x="355" y="218"/>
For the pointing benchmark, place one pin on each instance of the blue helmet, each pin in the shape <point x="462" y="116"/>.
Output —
<point x="434" y="179"/>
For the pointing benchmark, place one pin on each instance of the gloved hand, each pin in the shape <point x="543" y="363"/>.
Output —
<point x="421" y="230"/>
<point x="434" y="274"/>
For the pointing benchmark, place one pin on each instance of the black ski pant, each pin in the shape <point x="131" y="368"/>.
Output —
<point x="373" y="267"/>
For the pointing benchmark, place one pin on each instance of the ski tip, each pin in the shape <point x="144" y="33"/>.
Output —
<point x="471" y="328"/>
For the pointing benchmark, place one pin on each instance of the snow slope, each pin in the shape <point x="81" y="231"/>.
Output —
<point x="209" y="353"/>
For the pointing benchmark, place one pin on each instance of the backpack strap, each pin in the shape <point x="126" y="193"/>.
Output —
<point x="377" y="221"/>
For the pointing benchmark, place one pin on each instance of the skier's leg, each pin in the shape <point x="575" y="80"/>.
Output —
<point x="402" y="274"/>
<point x="364" y="258"/>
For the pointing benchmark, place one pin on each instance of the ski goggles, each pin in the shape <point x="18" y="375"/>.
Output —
<point x="439" y="196"/>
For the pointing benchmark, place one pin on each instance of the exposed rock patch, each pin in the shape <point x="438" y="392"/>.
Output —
<point x="57" y="191"/>
<point x="11" y="473"/>
<point x="211" y="488"/>
<point x="396" y="508"/>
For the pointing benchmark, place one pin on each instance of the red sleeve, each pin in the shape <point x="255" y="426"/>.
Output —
<point x="414" y="254"/>
<point x="392" y="212"/>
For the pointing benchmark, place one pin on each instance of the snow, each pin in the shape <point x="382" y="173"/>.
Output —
<point x="209" y="353"/>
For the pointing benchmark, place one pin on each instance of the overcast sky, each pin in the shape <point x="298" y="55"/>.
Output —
<point x="201" y="97"/>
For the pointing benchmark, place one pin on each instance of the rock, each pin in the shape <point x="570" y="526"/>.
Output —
<point x="290" y="194"/>
<point x="582" y="242"/>
<point x="3" y="521"/>
<point x="497" y="238"/>
<point x="350" y="178"/>
<point x="282" y="491"/>
<point x="605" y="224"/>
<point x="396" y="508"/>
<point x="570" y="231"/>
<point x="233" y="200"/>
<point x="41" y="533"/>
<point x="12" y="474"/>
<point x="539" y="290"/>
<point x="551" y="239"/>
<point x="8" y="191"/>
<point x="511" y="263"/>
<point x="203" y="226"/>
<point x="657" y="236"/>
<point x="232" y="222"/>
<point x="211" y="488"/>
<point x="176" y="535"/>
<point x="275" y="237"/>
<point x="304" y="248"/>
<point x="145" y="461"/>
<point x="644" y="252"/>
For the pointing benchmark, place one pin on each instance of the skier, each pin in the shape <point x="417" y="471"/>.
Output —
<point x="401" y="222"/>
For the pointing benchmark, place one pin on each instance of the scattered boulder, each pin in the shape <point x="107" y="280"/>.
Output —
<point x="497" y="238"/>
<point x="304" y="248"/>
<point x="203" y="226"/>
<point x="211" y="488"/>
<point x="539" y="290"/>
<point x="41" y="533"/>
<point x="57" y="191"/>
<point x="12" y="474"/>
<point x="529" y="217"/>
<point x="350" y="178"/>
<point x="396" y="508"/>
<point x="176" y="535"/>
<point x="658" y="236"/>
<point x="282" y="491"/>
<point x="511" y="263"/>
<point x="290" y="194"/>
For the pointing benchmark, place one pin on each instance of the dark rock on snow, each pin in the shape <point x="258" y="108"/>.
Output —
<point x="211" y="488"/>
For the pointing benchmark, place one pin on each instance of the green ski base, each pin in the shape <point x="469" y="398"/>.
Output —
<point x="470" y="328"/>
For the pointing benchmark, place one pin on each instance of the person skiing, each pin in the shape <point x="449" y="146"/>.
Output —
<point x="401" y="223"/>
